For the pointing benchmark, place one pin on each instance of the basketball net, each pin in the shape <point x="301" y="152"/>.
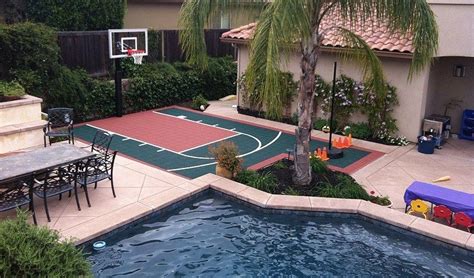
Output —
<point x="137" y="55"/>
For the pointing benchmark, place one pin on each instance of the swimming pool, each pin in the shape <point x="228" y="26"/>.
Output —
<point x="215" y="236"/>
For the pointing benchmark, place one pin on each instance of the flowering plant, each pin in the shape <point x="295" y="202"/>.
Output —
<point x="383" y="201"/>
<point x="351" y="97"/>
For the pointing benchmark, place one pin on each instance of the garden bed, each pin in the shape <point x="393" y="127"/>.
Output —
<point x="277" y="179"/>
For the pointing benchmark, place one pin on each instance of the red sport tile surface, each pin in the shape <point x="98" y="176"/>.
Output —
<point x="164" y="131"/>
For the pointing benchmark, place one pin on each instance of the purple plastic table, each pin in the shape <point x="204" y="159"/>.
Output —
<point x="455" y="200"/>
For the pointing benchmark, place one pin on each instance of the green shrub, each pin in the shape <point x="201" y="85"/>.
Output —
<point x="29" y="54"/>
<point x="199" y="101"/>
<point x="266" y="182"/>
<point x="262" y="181"/>
<point x="11" y="89"/>
<point x="31" y="251"/>
<point x="73" y="15"/>
<point x="155" y="89"/>
<point x="219" y="78"/>
<point x="100" y="100"/>
<point x="361" y="130"/>
<point x="280" y="165"/>
<point x="345" y="188"/>
<point x="318" y="166"/>
<point x="282" y="99"/>
<point x="291" y="191"/>
<point x="246" y="176"/>
<point x="319" y="123"/>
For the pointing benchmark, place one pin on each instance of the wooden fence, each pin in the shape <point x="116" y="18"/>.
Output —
<point x="89" y="50"/>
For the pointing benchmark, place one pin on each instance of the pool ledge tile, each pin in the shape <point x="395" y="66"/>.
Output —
<point x="440" y="232"/>
<point x="254" y="196"/>
<point x="388" y="215"/>
<point x="334" y="205"/>
<point x="194" y="186"/>
<point x="106" y="223"/>
<point x="165" y="198"/>
<point x="470" y="243"/>
<point x="289" y="202"/>
<point x="228" y="186"/>
<point x="209" y="178"/>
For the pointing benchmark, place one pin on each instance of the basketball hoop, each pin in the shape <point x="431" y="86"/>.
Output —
<point x="137" y="55"/>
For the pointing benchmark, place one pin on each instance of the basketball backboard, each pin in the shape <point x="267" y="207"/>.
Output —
<point x="123" y="40"/>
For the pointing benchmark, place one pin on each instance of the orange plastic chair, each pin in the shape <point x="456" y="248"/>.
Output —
<point x="462" y="219"/>
<point x="418" y="206"/>
<point x="443" y="212"/>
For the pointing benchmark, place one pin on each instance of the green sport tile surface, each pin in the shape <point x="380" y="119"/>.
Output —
<point x="256" y="144"/>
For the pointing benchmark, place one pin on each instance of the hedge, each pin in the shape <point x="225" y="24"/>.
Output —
<point x="74" y="15"/>
<point x="30" y="56"/>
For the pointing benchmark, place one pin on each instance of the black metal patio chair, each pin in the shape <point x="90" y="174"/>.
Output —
<point x="60" y="124"/>
<point x="97" y="169"/>
<point x="55" y="182"/>
<point x="16" y="194"/>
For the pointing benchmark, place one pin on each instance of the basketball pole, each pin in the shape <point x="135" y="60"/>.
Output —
<point x="118" y="88"/>
<point x="333" y="153"/>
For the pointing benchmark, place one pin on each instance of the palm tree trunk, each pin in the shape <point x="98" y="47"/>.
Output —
<point x="310" y="54"/>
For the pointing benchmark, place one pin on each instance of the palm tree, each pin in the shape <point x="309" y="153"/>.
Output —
<point x="285" y="26"/>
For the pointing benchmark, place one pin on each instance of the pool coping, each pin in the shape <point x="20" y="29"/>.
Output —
<point x="135" y="211"/>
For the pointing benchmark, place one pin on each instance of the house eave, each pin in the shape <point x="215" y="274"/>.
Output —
<point x="333" y="49"/>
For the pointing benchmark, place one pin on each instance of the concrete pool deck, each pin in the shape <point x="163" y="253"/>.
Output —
<point x="142" y="189"/>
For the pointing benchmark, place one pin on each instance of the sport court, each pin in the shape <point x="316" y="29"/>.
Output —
<point x="177" y="139"/>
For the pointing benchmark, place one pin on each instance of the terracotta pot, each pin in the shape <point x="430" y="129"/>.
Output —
<point x="223" y="172"/>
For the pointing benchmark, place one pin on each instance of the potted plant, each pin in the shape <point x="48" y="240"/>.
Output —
<point x="226" y="155"/>
<point x="380" y="200"/>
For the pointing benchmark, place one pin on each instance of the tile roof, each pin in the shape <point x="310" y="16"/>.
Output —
<point x="375" y="34"/>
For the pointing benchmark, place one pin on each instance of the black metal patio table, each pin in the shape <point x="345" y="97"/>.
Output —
<point x="28" y="164"/>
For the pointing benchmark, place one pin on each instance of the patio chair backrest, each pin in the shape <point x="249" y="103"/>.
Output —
<point x="60" y="117"/>
<point x="15" y="189"/>
<point x="100" y="165"/>
<point x="101" y="142"/>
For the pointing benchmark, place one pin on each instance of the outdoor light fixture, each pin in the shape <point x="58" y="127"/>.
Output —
<point x="459" y="71"/>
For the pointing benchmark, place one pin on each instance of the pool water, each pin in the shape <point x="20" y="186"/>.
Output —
<point x="214" y="236"/>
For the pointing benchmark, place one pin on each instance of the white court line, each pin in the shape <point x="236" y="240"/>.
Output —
<point x="144" y="144"/>
<point x="196" y="122"/>
<point x="158" y="151"/>
<point x="125" y="139"/>
<point x="249" y="153"/>
<point x="191" y="167"/>
<point x="205" y="144"/>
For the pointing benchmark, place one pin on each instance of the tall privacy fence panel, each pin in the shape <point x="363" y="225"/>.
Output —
<point x="89" y="49"/>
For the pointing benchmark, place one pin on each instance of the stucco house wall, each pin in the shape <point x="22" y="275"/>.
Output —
<point x="430" y="90"/>
<point x="164" y="15"/>
<point x="412" y="94"/>
<point x="161" y="15"/>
